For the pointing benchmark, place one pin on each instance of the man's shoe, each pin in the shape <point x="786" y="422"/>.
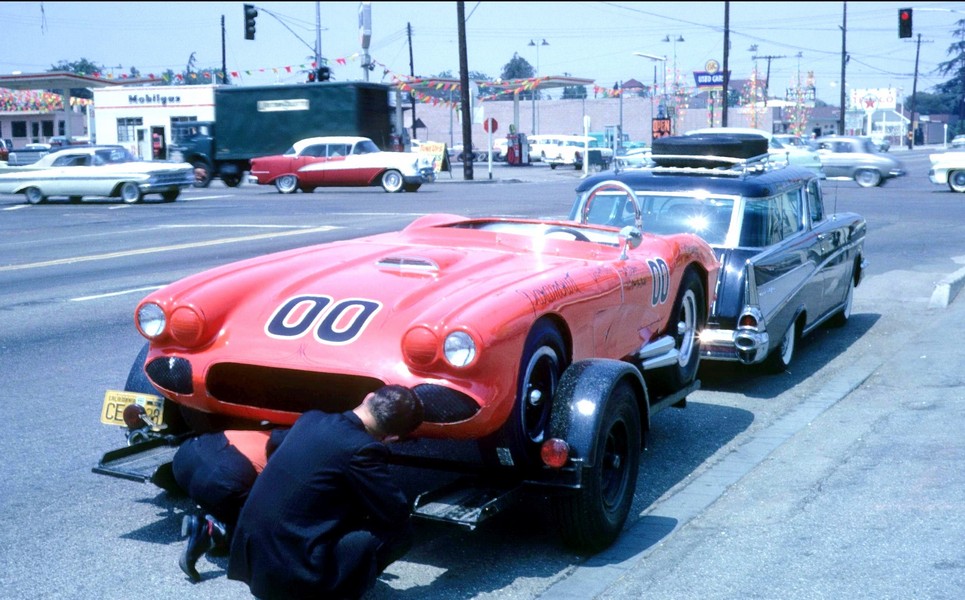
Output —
<point x="199" y="542"/>
<point x="219" y="535"/>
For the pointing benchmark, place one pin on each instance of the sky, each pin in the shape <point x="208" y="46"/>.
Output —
<point x="591" y="40"/>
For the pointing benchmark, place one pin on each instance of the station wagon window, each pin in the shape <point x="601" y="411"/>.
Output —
<point x="815" y="201"/>
<point x="770" y="220"/>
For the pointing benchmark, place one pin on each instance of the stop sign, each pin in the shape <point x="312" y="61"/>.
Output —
<point x="490" y="125"/>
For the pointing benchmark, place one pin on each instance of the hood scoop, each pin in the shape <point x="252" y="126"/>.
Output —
<point x="408" y="264"/>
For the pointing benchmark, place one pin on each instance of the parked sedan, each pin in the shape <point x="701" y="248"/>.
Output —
<point x="787" y="265"/>
<point x="857" y="158"/>
<point x="948" y="168"/>
<point x="341" y="161"/>
<point x="106" y="171"/>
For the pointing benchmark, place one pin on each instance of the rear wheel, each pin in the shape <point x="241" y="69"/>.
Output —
<point x="867" y="178"/>
<point x="232" y="180"/>
<point x="130" y="193"/>
<point x="286" y="184"/>
<point x="392" y="181"/>
<point x="687" y="320"/>
<point x="956" y="181"/>
<point x="34" y="195"/>
<point x="780" y="358"/>
<point x="592" y="517"/>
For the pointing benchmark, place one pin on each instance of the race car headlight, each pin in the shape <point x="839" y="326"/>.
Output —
<point x="459" y="349"/>
<point x="150" y="320"/>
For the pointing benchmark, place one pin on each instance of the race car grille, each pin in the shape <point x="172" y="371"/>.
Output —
<point x="170" y="373"/>
<point x="445" y="405"/>
<point x="298" y="391"/>
<point x="287" y="389"/>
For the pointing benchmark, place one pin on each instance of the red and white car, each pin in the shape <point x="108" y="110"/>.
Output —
<point x="341" y="161"/>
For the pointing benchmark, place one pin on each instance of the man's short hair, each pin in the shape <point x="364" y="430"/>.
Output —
<point x="397" y="410"/>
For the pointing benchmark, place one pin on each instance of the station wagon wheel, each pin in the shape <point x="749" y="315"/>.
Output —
<point x="687" y="319"/>
<point x="286" y="184"/>
<point x="130" y="193"/>
<point x="780" y="358"/>
<point x="956" y="181"/>
<point x="867" y="178"/>
<point x="592" y="517"/>
<point x="392" y="181"/>
<point x="34" y="195"/>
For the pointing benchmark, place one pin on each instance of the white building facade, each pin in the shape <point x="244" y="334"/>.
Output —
<point x="140" y="118"/>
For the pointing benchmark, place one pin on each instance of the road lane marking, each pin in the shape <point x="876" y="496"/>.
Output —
<point x="120" y="293"/>
<point x="156" y="249"/>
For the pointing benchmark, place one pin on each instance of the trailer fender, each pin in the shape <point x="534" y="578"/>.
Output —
<point x="579" y="404"/>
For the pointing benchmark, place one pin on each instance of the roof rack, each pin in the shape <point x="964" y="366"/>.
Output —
<point x="734" y="167"/>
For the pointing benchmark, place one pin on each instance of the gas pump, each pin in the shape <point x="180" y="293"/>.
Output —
<point x="517" y="149"/>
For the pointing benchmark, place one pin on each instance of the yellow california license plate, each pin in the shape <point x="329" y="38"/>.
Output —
<point x="112" y="412"/>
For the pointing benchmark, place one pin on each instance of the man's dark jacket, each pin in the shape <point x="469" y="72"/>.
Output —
<point x="328" y="478"/>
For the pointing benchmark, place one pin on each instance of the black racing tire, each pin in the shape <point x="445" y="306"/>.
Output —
<point x="202" y="174"/>
<point x="689" y="318"/>
<point x="540" y="369"/>
<point x="591" y="518"/>
<point x="392" y="181"/>
<point x="956" y="181"/>
<point x="779" y="359"/>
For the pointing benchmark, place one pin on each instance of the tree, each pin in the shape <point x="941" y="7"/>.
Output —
<point x="78" y="67"/>
<point x="519" y="68"/>
<point x="954" y="67"/>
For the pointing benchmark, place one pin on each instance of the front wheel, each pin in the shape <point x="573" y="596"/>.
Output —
<point x="591" y="518"/>
<point x="392" y="181"/>
<point x="286" y="184"/>
<point x="867" y="178"/>
<point x="33" y="195"/>
<point x="202" y="174"/>
<point x="956" y="181"/>
<point x="687" y="319"/>
<point x="130" y="193"/>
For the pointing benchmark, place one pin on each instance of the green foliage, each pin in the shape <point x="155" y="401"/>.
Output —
<point x="518" y="68"/>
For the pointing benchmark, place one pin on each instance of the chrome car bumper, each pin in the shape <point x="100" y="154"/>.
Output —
<point x="747" y="346"/>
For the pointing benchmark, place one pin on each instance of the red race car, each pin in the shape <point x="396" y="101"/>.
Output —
<point x="545" y="345"/>
<point x="341" y="161"/>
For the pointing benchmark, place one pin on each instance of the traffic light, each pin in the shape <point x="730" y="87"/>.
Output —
<point x="904" y="22"/>
<point x="250" y="13"/>
<point x="324" y="73"/>
<point x="311" y="76"/>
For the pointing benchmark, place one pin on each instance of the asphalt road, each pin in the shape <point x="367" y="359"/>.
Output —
<point x="838" y="479"/>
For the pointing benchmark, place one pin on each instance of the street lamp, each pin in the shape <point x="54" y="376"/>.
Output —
<point x="655" y="60"/>
<point x="536" y="87"/>
<point x="677" y="38"/>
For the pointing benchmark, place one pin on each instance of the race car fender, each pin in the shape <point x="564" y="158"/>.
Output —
<point x="580" y="403"/>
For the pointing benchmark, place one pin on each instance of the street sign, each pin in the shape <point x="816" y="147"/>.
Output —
<point x="490" y="125"/>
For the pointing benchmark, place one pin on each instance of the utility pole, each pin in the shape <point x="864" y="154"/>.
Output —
<point x="723" y="110"/>
<point x="408" y="28"/>
<point x="844" y="63"/>
<point x="914" y="94"/>
<point x="224" y="61"/>
<point x="464" y="91"/>
<point x="767" y="78"/>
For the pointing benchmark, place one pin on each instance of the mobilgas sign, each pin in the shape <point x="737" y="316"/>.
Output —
<point x="703" y="79"/>
<point x="162" y="99"/>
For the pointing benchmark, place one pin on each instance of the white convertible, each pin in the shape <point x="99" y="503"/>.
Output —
<point x="948" y="168"/>
<point x="109" y="171"/>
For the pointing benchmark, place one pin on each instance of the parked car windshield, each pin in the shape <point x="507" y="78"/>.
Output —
<point x="708" y="217"/>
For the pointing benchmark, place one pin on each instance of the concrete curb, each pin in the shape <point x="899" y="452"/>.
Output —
<point x="946" y="289"/>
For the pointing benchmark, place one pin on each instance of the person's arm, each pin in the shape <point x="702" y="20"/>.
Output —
<point x="275" y="439"/>
<point x="381" y="498"/>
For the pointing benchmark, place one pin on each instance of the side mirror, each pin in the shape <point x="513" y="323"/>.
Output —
<point x="630" y="238"/>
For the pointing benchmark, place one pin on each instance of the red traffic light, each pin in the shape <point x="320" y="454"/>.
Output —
<point x="904" y="22"/>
